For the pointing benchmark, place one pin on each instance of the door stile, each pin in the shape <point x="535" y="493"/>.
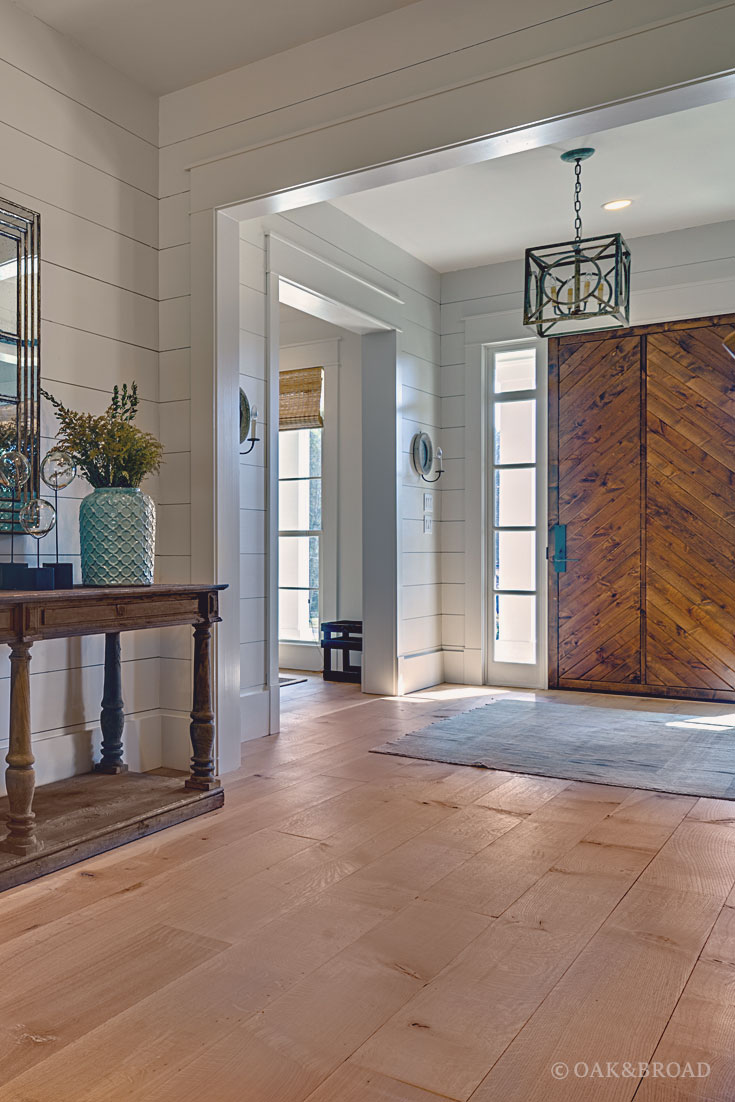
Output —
<point x="553" y="517"/>
<point x="644" y="504"/>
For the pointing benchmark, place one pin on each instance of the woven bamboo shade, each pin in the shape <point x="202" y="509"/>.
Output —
<point x="301" y="399"/>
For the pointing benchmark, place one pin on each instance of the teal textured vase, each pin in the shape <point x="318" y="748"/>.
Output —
<point x="117" y="530"/>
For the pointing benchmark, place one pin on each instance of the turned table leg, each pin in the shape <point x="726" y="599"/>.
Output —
<point x="202" y="717"/>
<point x="20" y="777"/>
<point x="112" y="716"/>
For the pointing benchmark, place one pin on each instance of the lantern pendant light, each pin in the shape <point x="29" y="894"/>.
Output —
<point x="579" y="285"/>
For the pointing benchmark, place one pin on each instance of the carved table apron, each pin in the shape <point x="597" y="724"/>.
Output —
<point x="26" y="617"/>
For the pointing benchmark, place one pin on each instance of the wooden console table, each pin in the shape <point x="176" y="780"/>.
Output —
<point x="26" y="617"/>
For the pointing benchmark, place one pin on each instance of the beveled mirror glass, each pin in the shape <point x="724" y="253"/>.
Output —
<point x="20" y="341"/>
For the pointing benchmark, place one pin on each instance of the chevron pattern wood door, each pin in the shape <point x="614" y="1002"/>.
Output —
<point x="599" y="501"/>
<point x="690" y="562"/>
<point x="642" y="474"/>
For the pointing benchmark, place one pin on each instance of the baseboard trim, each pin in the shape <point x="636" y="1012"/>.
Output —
<point x="420" y="671"/>
<point x="71" y="751"/>
<point x="254" y="714"/>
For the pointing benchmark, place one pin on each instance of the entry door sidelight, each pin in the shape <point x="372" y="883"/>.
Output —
<point x="516" y="436"/>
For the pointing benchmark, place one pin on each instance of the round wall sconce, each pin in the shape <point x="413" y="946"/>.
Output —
<point x="248" y="423"/>
<point x="423" y="457"/>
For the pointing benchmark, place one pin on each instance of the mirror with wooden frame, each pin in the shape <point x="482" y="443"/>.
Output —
<point x="20" y="350"/>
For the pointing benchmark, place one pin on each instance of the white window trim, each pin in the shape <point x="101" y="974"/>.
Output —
<point x="322" y="353"/>
<point x="525" y="675"/>
<point x="484" y="334"/>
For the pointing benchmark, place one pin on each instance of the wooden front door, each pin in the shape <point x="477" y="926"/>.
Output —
<point x="642" y="510"/>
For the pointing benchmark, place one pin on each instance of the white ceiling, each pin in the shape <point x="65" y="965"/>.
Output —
<point x="679" y="170"/>
<point x="168" y="44"/>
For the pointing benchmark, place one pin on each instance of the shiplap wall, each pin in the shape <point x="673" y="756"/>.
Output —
<point x="253" y="471"/>
<point x="684" y="273"/>
<point x="79" y="145"/>
<point x="342" y="240"/>
<point x="330" y="234"/>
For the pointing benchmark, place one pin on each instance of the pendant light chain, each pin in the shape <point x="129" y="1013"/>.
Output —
<point x="578" y="200"/>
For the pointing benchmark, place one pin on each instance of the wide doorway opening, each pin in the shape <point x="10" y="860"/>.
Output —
<point x="465" y="546"/>
<point x="319" y="493"/>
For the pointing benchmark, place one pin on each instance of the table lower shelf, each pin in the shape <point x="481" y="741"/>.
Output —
<point x="92" y="813"/>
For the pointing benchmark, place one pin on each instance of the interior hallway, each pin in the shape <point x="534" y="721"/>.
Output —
<point x="354" y="927"/>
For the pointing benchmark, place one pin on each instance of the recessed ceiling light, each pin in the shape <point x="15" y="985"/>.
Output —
<point x="617" y="204"/>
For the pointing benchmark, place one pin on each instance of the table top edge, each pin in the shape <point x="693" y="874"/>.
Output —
<point x="117" y="592"/>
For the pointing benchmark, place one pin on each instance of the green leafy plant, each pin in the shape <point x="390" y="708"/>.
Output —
<point x="109" y="450"/>
<point x="8" y="435"/>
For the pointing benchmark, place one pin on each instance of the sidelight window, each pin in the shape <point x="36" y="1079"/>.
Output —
<point x="514" y="510"/>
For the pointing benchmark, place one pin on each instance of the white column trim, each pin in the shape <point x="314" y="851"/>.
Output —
<point x="215" y="468"/>
<point x="272" y="343"/>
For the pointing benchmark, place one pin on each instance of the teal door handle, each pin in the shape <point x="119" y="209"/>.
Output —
<point x="559" y="558"/>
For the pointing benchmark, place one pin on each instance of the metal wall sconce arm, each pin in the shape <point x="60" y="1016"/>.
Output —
<point x="248" y="424"/>
<point x="252" y="441"/>
<point x="439" y="467"/>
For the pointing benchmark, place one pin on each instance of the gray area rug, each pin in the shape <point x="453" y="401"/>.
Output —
<point x="664" y="751"/>
<point x="283" y="680"/>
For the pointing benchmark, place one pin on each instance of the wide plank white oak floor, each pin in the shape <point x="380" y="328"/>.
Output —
<point x="354" y="927"/>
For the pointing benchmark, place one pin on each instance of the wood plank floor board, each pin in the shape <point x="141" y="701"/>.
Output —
<point x="452" y="1032"/>
<point x="700" y="1033"/>
<point x="698" y="857"/>
<point x="718" y="811"/>
<point x="645" y="820"/>
<point x="615" y="1001"/>
<point x="75" y="983"/>
<point x="352" y="1083"/>
<point x="185" y="1018"/>
<point x="472" y="829"/>
<point x="111" y="876"/>
<point x="304" y="1035"/>
<point x="495" y="877"/>
<point x="521" y="795"/>
<point x="702" y="1027"/>
<point x="720" y="947"/>
<point x="612" y="1004"/>
<point x="524" y="917"/>
<point x="332" y="860"/>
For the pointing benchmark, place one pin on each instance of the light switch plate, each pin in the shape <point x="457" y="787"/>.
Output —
<point x="428" y="503"/>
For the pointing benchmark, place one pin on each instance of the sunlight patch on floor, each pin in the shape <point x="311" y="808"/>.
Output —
<point x="453" y="692"/>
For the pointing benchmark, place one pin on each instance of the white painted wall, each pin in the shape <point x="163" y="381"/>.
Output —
<point x="683" y="274"/>
<point x="79" y="145"/>
<point x="418" y="407"/>
<point x="415" y="80"/>
<point x="412" y="306"/>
